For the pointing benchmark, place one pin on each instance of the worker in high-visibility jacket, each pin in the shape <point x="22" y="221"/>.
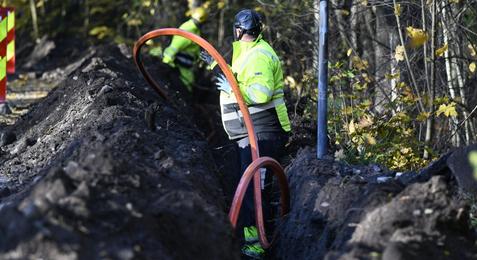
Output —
<point x="258" y="71"/>
<point x="183" y="53"/>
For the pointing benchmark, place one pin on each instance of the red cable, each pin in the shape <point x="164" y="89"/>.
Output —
<point x="257" y="163"/>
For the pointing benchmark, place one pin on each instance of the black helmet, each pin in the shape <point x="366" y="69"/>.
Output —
<point x="249" y="21"/>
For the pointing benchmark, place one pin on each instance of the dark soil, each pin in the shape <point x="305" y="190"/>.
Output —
<point x="89" y="177"/>
<point x="343" y="212"/>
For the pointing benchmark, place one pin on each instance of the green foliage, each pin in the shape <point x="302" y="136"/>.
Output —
<point x="362" y="136"/>
<point x="100" y="32"/>
<point x="103" y="20"/>
<point x="359" y="133"/>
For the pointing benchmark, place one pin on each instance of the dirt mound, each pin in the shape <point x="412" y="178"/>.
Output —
<point x="86" y="176"/>
<point x="343" y="212"/>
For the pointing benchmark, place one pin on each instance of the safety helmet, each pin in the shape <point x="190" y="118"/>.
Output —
<point x="199" y="14"/>
<point x="249" y="21"/>
<point x="193" y="4"/>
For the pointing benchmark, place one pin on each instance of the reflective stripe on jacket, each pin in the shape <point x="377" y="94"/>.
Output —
<point x="183" y="45"/>
<point x="259" y="75"/>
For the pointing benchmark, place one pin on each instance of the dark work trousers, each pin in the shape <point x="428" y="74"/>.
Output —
<point x="271" y="145"/>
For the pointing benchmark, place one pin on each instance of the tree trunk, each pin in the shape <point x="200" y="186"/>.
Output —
<point x="394" y="66"/>
<point x="449" y="74"/>
<point x="354" y="26"/>
<point x="221" y="30"/>
<point x="384" y="62"/>
<point x="86" y="19"/>
<point x="34" y="19"/>
<point x="420" y="105"/>
<point x="316" y="34"/>
<point x="432" y="79"/>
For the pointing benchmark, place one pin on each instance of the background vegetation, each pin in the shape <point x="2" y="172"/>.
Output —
<point x="402" y="73"/>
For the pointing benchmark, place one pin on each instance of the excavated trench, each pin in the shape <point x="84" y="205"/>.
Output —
<point x="103" y="168"/>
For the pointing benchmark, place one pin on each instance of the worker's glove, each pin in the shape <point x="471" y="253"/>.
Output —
<point x="223" y="84"/>
<point x="206" y="57"/>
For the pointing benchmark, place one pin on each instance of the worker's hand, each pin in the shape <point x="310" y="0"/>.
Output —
<point x="205" y="56"/>
<point x="223" y="84"/>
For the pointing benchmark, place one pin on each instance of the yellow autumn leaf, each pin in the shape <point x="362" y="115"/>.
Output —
<point x="291" y="82"/>
<point x="393" y="76"/>
<point x="134" y="22"/>
<point x="454" y="1"/>
<point x="397" y="9"/>
<point x="401" y="85"/>
<point x="366" y="104"/>
<point x="418" y="36"/>
<point x="351" y="127"/>
<point x="399" y="53"/>
<point x="367" y="78"/>
<point x="364" y="2"/>
<point x="345" y="12"/>
<point x="347" y="111"/>
<point x="442" y="50"/>
<point x="100" y="32"/>
<point x="359" y="87"/>
<point x="359" y="63"/>
<point x="146" y="3"/>
<point x="370" y="139"/>
<point x="40" y="3"/>
<point x="448" y="110"/>
<point x="401" y="116"/>
<point x="348" y="53"/>
<point x="423" y="116"/>
<point x="472" y="50"/>
<point x="366" y="121"/>
<point x="472" y="67"/>
<point x="206" y="5"/>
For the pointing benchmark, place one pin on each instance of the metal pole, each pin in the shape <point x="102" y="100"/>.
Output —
<point x="322" y="107"/>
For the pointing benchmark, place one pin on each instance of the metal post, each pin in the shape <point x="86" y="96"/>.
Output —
<point x="322" y="145"/>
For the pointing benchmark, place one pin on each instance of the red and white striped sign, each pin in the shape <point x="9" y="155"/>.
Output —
<point x="7" y="48"/>
<point x="3" y="54"/>
<point x="10" y="40"/>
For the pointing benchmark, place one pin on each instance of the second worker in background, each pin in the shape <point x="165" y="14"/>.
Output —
<point x="183" y="53"/>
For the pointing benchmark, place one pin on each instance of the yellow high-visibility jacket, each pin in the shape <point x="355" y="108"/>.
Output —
<point x="183" y="45"/>
<point x="260" y="78"/>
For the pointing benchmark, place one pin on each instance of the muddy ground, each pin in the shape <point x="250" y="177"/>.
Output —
<point x="102" y="168"/>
